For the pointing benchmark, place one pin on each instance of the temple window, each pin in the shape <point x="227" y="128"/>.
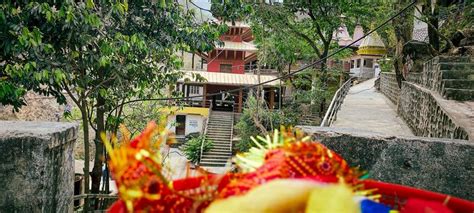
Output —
<point x="358" y="63"/>
<point x="226" y="68"/>
<point x="368" y="63"/>
<point x="194" y="90"/>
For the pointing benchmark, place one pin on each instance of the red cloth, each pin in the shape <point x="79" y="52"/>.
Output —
<point x="414" y="205"/>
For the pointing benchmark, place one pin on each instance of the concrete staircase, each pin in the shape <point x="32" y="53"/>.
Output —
<point x="458" y="81"/>
<point x="219" y="130"/>
<point x="310" y="120"/>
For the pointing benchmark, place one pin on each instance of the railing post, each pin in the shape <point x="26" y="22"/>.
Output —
<point x="205" y="131"/>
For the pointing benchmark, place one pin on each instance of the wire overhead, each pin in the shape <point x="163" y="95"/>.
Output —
<point x="278" y="78"/>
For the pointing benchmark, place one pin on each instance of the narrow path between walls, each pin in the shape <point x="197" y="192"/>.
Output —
<point x="367" y="109"/>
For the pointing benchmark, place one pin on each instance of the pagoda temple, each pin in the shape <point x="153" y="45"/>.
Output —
<point x="363" y="63"/>
<point x="230" y="66"/>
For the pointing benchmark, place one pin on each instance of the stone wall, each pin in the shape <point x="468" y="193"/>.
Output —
<point x="37" y="166"/>
<point x="421" y="105"/>
<point x="422" y="113"/>
<point x="435" y="164"/>
<point x="389" y="87"/>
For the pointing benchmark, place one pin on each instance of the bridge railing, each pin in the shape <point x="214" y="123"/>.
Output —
<point x="336" y="102"/>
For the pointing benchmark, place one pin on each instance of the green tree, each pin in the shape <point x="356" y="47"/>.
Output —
<point x="257" y="119"/>
<point x="312" y="22"/>
<point x="100" y="53"/>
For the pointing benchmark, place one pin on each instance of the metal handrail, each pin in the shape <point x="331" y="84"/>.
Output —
<point x="336" y="103"/>
<point x="205" y="131"/>
<point x="232" y="130"/>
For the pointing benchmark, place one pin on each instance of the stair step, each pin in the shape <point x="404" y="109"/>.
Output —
<point x="217" y="158"/>
<point x="219" y="123"/>
<point x="227" y="141"/>
<point x="457" y="74"/>
<point x="211" y="164"/>
<point x="219" y="133"/>
<point x="459" y="94"/>
<point x="456" y="66"/>
<point x="226" y="154"/>
<point x="211" y="123"/>
<point x="219" y="149"/>
<point x="221" y="117"/>
<point x="218" y="136"/>
<point x="219" y="128"/>
<point x="220" y="140"/>
<point x="451" y="59"/>
<point x="222" y="113"/>
<point x="458" y="83"/>
<point x="220" y="145"/>
<point x="223" y="137"/>
<point x="222" y="160"/>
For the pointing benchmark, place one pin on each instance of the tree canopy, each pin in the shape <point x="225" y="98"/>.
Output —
<point x="97" y="53"/>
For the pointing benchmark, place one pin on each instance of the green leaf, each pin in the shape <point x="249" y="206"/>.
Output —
<point x="90" y="4"/>
<point x="49" y="16"/>
<point x="103" y="61"/>
<point x="58" y="75"/>
<point x="37" y="76"/>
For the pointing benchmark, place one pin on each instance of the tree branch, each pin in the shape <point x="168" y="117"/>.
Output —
<point x="306" y="38"/>
<point x="100" y="84"/>
<point x="449" y="44"/>
<point x="74" y="99"/>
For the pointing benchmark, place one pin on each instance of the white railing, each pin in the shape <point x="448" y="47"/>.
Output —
<point x="337" y="100"/>
<point x="205" y="132"/>
<point x="232" y="130"/>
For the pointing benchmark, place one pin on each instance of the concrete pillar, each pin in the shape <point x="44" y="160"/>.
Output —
<point x="37" y="166"/>
<point x="204" y="92"/>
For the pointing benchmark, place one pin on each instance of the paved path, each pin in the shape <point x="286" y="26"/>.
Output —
<point x="367" y="109"/>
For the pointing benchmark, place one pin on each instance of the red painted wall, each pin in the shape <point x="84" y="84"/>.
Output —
<point x="237" y="63"/>
<point x="235" y="38"/>
<point x="237" y="66"/>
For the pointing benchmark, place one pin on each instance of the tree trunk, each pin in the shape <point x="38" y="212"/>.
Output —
<point x="403" y="32"/>
<point x="314" y="85"/>
<point x="96" y="174"/>
<point x="432" y="34"/>
<point x="324" y="82"/>
<point x="85" y="129"/>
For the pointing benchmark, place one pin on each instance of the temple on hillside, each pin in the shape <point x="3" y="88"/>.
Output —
<point x="232" y="65"/>
<point x="366" y="52"/>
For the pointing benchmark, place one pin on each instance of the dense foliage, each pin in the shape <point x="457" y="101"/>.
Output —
<point x="257" y="119"/>
<point x="99" y="54"/>
<point x="192" y="148"/>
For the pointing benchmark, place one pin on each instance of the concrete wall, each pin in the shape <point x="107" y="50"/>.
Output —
<point x="37" y="166"/>
<point x="389" y="86"/>
<point x="436" y="164"/>
<point x="424" y="115"/>
<point x="194" y="123"/>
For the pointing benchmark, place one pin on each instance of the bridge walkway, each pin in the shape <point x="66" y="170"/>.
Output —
<point x="367" y="109"/>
